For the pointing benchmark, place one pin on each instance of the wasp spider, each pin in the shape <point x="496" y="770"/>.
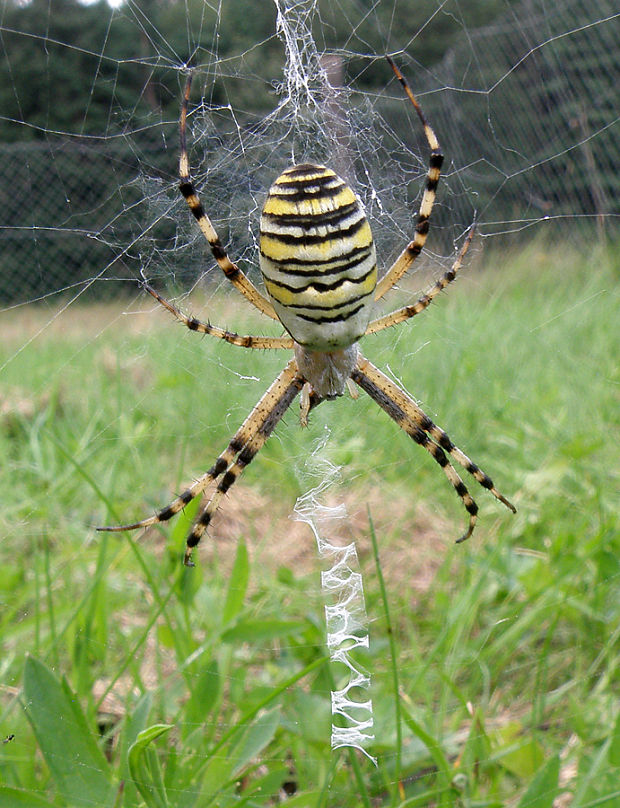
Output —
<point x="318" y="262"/>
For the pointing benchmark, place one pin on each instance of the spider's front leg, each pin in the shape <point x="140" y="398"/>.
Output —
<point x="409" y="417"/>
<point x="415" y="247"/>
<point x="241" y="450"/>
<point x="232" y="272"/>
<point x="309" y="400"/>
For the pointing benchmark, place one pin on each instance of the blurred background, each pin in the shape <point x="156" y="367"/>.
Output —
<point x="523" y="98"/>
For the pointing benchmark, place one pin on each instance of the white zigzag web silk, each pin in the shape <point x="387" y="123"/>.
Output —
<point x="345" y="609"/>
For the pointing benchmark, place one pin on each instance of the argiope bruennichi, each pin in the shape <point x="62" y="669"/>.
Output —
<point x="318" y="262"/>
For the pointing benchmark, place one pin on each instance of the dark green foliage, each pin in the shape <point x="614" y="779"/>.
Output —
<point x="66" y="70"/>
<point x="89" y="144"/>
<point x="91" y="70"/>
<point x="81" y="772"/>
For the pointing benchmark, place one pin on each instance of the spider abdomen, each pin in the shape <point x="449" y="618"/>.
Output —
<point x="318" y="258"/>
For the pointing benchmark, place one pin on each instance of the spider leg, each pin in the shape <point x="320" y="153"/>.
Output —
<point x="400" y="315"/>
<point x="186" y="186"/>
<point x="406" y="413"/>
<point x="243" y="340"/>
<point x="261" y="421"/>
<point x="249" y="451"/>
<point x="414" y="248"/>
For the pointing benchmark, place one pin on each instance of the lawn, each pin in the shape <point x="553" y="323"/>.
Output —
<point x="128" y="679"/>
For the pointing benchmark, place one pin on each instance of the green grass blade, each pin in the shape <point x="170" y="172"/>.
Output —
<point x="237" y="585"/>
<point x="273" y="695"/>
<point x="134" y="723"/>
<point x="593" y="779"/>
<point x="441" y="762"/>
<point x="614" y="747"/>
<point x="76" y="762"/>
<point x="544" y="787"/>
<point x="255" y="739"/>
<point x="15" y="798"/>
<point x="393" y="652"/>
<point x="262" y="630"/>
<point x="145" y="768"/>
<point x="206" y="690"/>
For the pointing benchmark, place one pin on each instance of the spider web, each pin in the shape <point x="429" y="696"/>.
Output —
<point x="345" y="611"/>
<point x="522" y="100"/>
<point x="524" y="108"/>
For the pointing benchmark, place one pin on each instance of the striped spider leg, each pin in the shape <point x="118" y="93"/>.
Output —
<point x="241" y="450"/>
<point x="232" y="272"/>
<point x="409" y="417"/>
<point x="423" y="302"/>
<point x="241" y="340"/>
<point x="415" y="247"/>
<point x="318" y="262"/>
<point x="398" y="404"/>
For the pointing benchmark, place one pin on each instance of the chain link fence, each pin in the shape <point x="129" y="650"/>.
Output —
<point x="66" y="209"/>
<point x="538" y="139"/>
<point x="543" y="140"/>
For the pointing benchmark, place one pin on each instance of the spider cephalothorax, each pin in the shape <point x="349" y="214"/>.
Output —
<point x="319" y="266"/>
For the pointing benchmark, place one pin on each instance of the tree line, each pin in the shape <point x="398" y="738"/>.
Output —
<point x="93" y="70"/>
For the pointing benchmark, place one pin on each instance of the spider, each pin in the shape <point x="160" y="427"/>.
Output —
<point x="318" y="263"/>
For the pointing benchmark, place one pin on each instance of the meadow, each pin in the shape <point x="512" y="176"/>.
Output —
<point x="128" y="679"/>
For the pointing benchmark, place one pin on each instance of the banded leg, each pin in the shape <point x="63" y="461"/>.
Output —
<point x="406" y="413"/>
<point x="243" y="340"/>
<point x="260" y="421"/>
<point x="230" y="270"/>
<point x="414" y="248"/>
<point x="423" y="302"/>
<point x="244" y="458"/>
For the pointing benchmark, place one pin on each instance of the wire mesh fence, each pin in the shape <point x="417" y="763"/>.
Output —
<point x="526" y="116"/>
<point x="66" y="209"/>
<point x="544" y="137"/>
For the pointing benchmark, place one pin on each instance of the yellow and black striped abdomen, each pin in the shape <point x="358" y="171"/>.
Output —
<point x="318" y="258"/>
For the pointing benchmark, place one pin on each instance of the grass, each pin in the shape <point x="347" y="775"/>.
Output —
<point x="498" y="681"/>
